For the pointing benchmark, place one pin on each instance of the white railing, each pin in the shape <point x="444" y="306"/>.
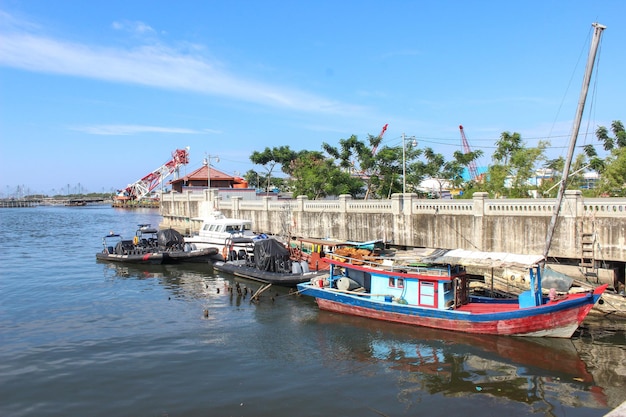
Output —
<point x="573" y="205"/>
<point x="441" y="206"/>
<point x="368" y="206"/>
<point x="605" y="207"/>
<point x="519" y="207"/>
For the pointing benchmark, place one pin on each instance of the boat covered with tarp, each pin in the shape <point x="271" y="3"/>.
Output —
<point x="152" y="246"/>
<point x="270" y="263"/>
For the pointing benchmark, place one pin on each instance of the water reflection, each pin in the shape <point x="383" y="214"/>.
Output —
<point x="186" y="280"/>
<point x="541" y="372"/>
<point x="181" y="280"/>
<point x="525" y="370"/>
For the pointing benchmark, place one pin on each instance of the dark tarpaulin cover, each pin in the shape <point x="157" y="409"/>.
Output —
<point x="271" y="255"/>
<point x="169" y="238"/>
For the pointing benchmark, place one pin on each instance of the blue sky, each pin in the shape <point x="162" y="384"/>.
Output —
<point x="98" y="94"/>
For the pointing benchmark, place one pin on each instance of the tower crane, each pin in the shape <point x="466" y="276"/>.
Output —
<point x="141" y="188"/>
<point x="466" y="149"/>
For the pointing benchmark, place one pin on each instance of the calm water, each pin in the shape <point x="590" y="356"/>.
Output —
<point x="82" y="338"/>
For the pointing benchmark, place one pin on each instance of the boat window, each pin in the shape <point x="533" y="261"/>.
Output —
<point x="247" y="227"/>
<point x="400" y="282"/>
<point x="206" y="227"/>
<point x="392" y="282"/>
<point x="229" y="228"/>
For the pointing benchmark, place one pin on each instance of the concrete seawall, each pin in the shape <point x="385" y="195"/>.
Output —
<point x="510" y="225"/>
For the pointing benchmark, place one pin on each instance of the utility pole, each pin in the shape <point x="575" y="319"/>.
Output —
<point x="207" y="162"/>
<point x="414" y="143"/>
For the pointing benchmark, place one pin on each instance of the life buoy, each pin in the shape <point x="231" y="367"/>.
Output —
<point x="136" y="240"/>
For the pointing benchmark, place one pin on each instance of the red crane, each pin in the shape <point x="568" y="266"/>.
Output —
<point x="466" y="148"/>
<point x="380" y="135"/>
<point x="141" y="188"/>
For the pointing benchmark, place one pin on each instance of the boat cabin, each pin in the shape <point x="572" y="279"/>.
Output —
<point x="432" y="286"/>
<point x="438" y="282"/>
<point x="222" y="227"/>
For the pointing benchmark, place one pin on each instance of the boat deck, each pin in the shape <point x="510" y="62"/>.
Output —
<point x="485" y="308"/>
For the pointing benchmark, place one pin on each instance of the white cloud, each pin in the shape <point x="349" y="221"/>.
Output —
<point x="133" y="27"/>
<point x="124" y="130"/>
<point x="156" y="66"/>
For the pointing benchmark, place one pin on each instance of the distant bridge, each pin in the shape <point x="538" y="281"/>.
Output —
<point x="19" y="202"/>
<point x="46" y="201"/>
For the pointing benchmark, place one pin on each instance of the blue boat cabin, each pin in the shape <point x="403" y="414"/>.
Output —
<point x="437" y="286"/>
<point x="431" y="286"/>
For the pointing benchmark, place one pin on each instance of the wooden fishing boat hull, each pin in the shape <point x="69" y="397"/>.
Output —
<point x="558" y="319"/>
<point x="286" y="279"/>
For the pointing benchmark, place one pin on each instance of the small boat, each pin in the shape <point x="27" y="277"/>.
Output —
<point x="151" y="246"/>
<point x="437" y="295"/>
<point x="224" y="233"/>
<point x="269" y="263"/>
<point x="314" y="250"/>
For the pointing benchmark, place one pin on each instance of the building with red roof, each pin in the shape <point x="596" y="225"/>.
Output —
<point x="199" y="180"/>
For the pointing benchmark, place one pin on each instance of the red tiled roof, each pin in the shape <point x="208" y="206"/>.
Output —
<point x="200" y="175"/>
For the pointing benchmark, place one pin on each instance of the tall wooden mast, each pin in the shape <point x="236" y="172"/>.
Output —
<point x="598" y="28"/>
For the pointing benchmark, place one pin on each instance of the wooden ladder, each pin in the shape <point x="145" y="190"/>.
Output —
<point x="588" y="263"/>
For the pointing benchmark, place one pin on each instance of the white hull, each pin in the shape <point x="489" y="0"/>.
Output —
<point x="218" y="231"/>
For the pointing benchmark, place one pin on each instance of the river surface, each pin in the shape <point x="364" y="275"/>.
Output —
<point x="84" y="338"/>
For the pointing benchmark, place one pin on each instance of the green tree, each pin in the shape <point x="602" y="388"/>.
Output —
<point x="514" y="165"/>
<point x="610" y="143"/>
<point x="506" y="146"/>
<point x="358" y="158"/>
<point x="269" y="158"/>
<point x="496" y="180"/>
<point x="430" y="167"/>
<point x="434" y="165"/>
<point x="595" y="162"/>
<point x="523" y="165"/>
<point x="253" y="178"/>
<point x="453" y="171"/>
<point x="613" y="173"/>
<point x="387" y="177"/>
<point x="316" y="176"/>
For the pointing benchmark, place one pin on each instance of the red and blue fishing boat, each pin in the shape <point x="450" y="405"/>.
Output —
<point x="437" y="294"/>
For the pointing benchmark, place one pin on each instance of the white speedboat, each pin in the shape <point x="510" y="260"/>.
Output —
<point x="229" y="235"/>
